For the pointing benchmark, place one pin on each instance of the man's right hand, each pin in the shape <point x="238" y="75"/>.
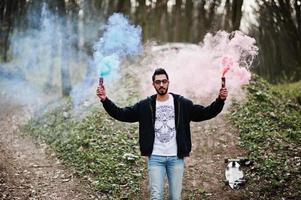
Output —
<point x="101" y="93"/>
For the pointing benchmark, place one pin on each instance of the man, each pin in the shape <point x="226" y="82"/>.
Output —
<point x="164" y="130"/>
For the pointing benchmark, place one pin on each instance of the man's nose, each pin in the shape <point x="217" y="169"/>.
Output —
<point x="161" y="83"/>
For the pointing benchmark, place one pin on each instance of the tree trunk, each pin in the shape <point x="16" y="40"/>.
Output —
<point x="236" y="14"/>
<point x="124" y="6"/>
<point x="8" y="17"/>
<point x="178" y="21"/>
<point x="211" y="14"/>
<point x="2" y="8"/>
<point x="140" y="17"/>
<point x="201" y="19"/>
<point x="65" y="49"/>
<point x="226" y="17"/>
<point x="298" y="19"/>
<point x="188" y="21"/>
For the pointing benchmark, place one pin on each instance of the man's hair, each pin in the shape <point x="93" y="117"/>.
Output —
<point x="159" y="71"/>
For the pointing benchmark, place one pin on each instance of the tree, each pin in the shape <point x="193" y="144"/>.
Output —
<point x="279" y="36"/>
<point x="236" y="14"/>
<point x="140" y="17"/>
<point x="188" y="20"/>
<point x="178" y="21"/>
<point x="60" y="6"/>
<point x="8" y="9"/>
<point x="124" y="6"/>
<point x="161" y="20"/>
<point x="208" y="18"/>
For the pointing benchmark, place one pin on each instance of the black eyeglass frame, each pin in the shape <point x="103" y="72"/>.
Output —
<point x="158" y="82"/>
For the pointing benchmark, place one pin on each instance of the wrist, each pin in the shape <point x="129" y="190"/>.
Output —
<point x="222" y="98"/>
<point x="103" y="99"/>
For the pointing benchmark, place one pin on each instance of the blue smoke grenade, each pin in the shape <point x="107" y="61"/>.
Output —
<point x="120" y="39"/>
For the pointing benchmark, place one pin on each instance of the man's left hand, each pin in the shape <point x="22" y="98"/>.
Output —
<point x="223" y="93"/>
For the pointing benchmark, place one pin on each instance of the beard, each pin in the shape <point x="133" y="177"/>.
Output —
<point x="162" y="91"/>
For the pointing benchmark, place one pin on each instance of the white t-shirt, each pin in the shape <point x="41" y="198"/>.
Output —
<point x="165" y="129"/>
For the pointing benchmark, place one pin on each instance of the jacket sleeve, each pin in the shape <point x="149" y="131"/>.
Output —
<point x="126" y="114"/>
<point x="201" y="113"/>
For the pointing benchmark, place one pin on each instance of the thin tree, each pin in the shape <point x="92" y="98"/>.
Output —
<point x="280" y="39"/>
<point x="236" y="14"/>
<point x="65" y="49"/>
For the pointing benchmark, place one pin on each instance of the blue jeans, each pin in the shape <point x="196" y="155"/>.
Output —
<point x="158" y="168"/>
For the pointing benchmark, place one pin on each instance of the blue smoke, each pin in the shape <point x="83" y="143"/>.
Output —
<point x="120" y="39"/>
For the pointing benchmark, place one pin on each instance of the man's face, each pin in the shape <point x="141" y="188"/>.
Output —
<point x="161" y="84"/>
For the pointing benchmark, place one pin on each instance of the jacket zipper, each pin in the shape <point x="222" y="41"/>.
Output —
<point x="178" y="114"/>
<point x="151" y="112"/>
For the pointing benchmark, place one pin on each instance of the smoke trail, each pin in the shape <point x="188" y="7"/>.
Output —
<point x="195" y="70"/>
<point x="32" y="53"/>
<point x="234" y="52"/>
<point x="37" y="54"/>
<point x="120" y="39"/>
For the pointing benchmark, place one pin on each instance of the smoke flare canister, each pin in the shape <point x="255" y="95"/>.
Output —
<point x="223" y="82"/>
<point x="100" y="81"/>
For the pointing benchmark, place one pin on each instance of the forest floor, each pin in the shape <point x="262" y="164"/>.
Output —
<point x="269" y="127"/>
<point x="30" y="170"/>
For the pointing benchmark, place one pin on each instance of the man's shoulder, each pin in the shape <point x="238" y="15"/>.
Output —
<point x="147" y="99"/>
<point x="179" y="97"/>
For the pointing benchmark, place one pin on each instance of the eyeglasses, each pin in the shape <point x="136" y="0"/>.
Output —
<point x="158" y="82"/>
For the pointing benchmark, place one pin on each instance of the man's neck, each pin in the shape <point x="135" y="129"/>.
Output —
<point x="162" y="97"/>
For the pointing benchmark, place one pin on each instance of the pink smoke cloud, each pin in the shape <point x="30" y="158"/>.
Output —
<point x="196" y="70"/>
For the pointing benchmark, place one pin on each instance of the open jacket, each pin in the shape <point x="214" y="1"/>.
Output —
<point x="144" y="112"/>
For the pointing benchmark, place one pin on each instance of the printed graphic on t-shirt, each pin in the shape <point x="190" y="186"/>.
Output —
<point x="165" y="126"/>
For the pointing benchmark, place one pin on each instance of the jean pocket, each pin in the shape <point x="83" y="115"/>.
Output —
<point x="156" y="160"/>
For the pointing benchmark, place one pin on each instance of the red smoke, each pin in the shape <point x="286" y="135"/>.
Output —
<point x="227" y="64"/>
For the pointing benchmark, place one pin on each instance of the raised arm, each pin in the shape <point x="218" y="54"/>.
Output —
<point x="126" y="114"/>
<point x="201" y="113"/>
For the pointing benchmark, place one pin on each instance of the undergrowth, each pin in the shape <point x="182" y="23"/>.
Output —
<point x="99" y="148"/>
<point x="106" y="151"/>
<point x="270" y="129"/>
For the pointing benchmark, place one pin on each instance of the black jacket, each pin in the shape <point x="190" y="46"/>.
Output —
<point x="144" y="112"/>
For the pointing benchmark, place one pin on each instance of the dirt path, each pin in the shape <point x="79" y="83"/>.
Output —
<point x="213" y="141"/>
<point x="31" y="171"/>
